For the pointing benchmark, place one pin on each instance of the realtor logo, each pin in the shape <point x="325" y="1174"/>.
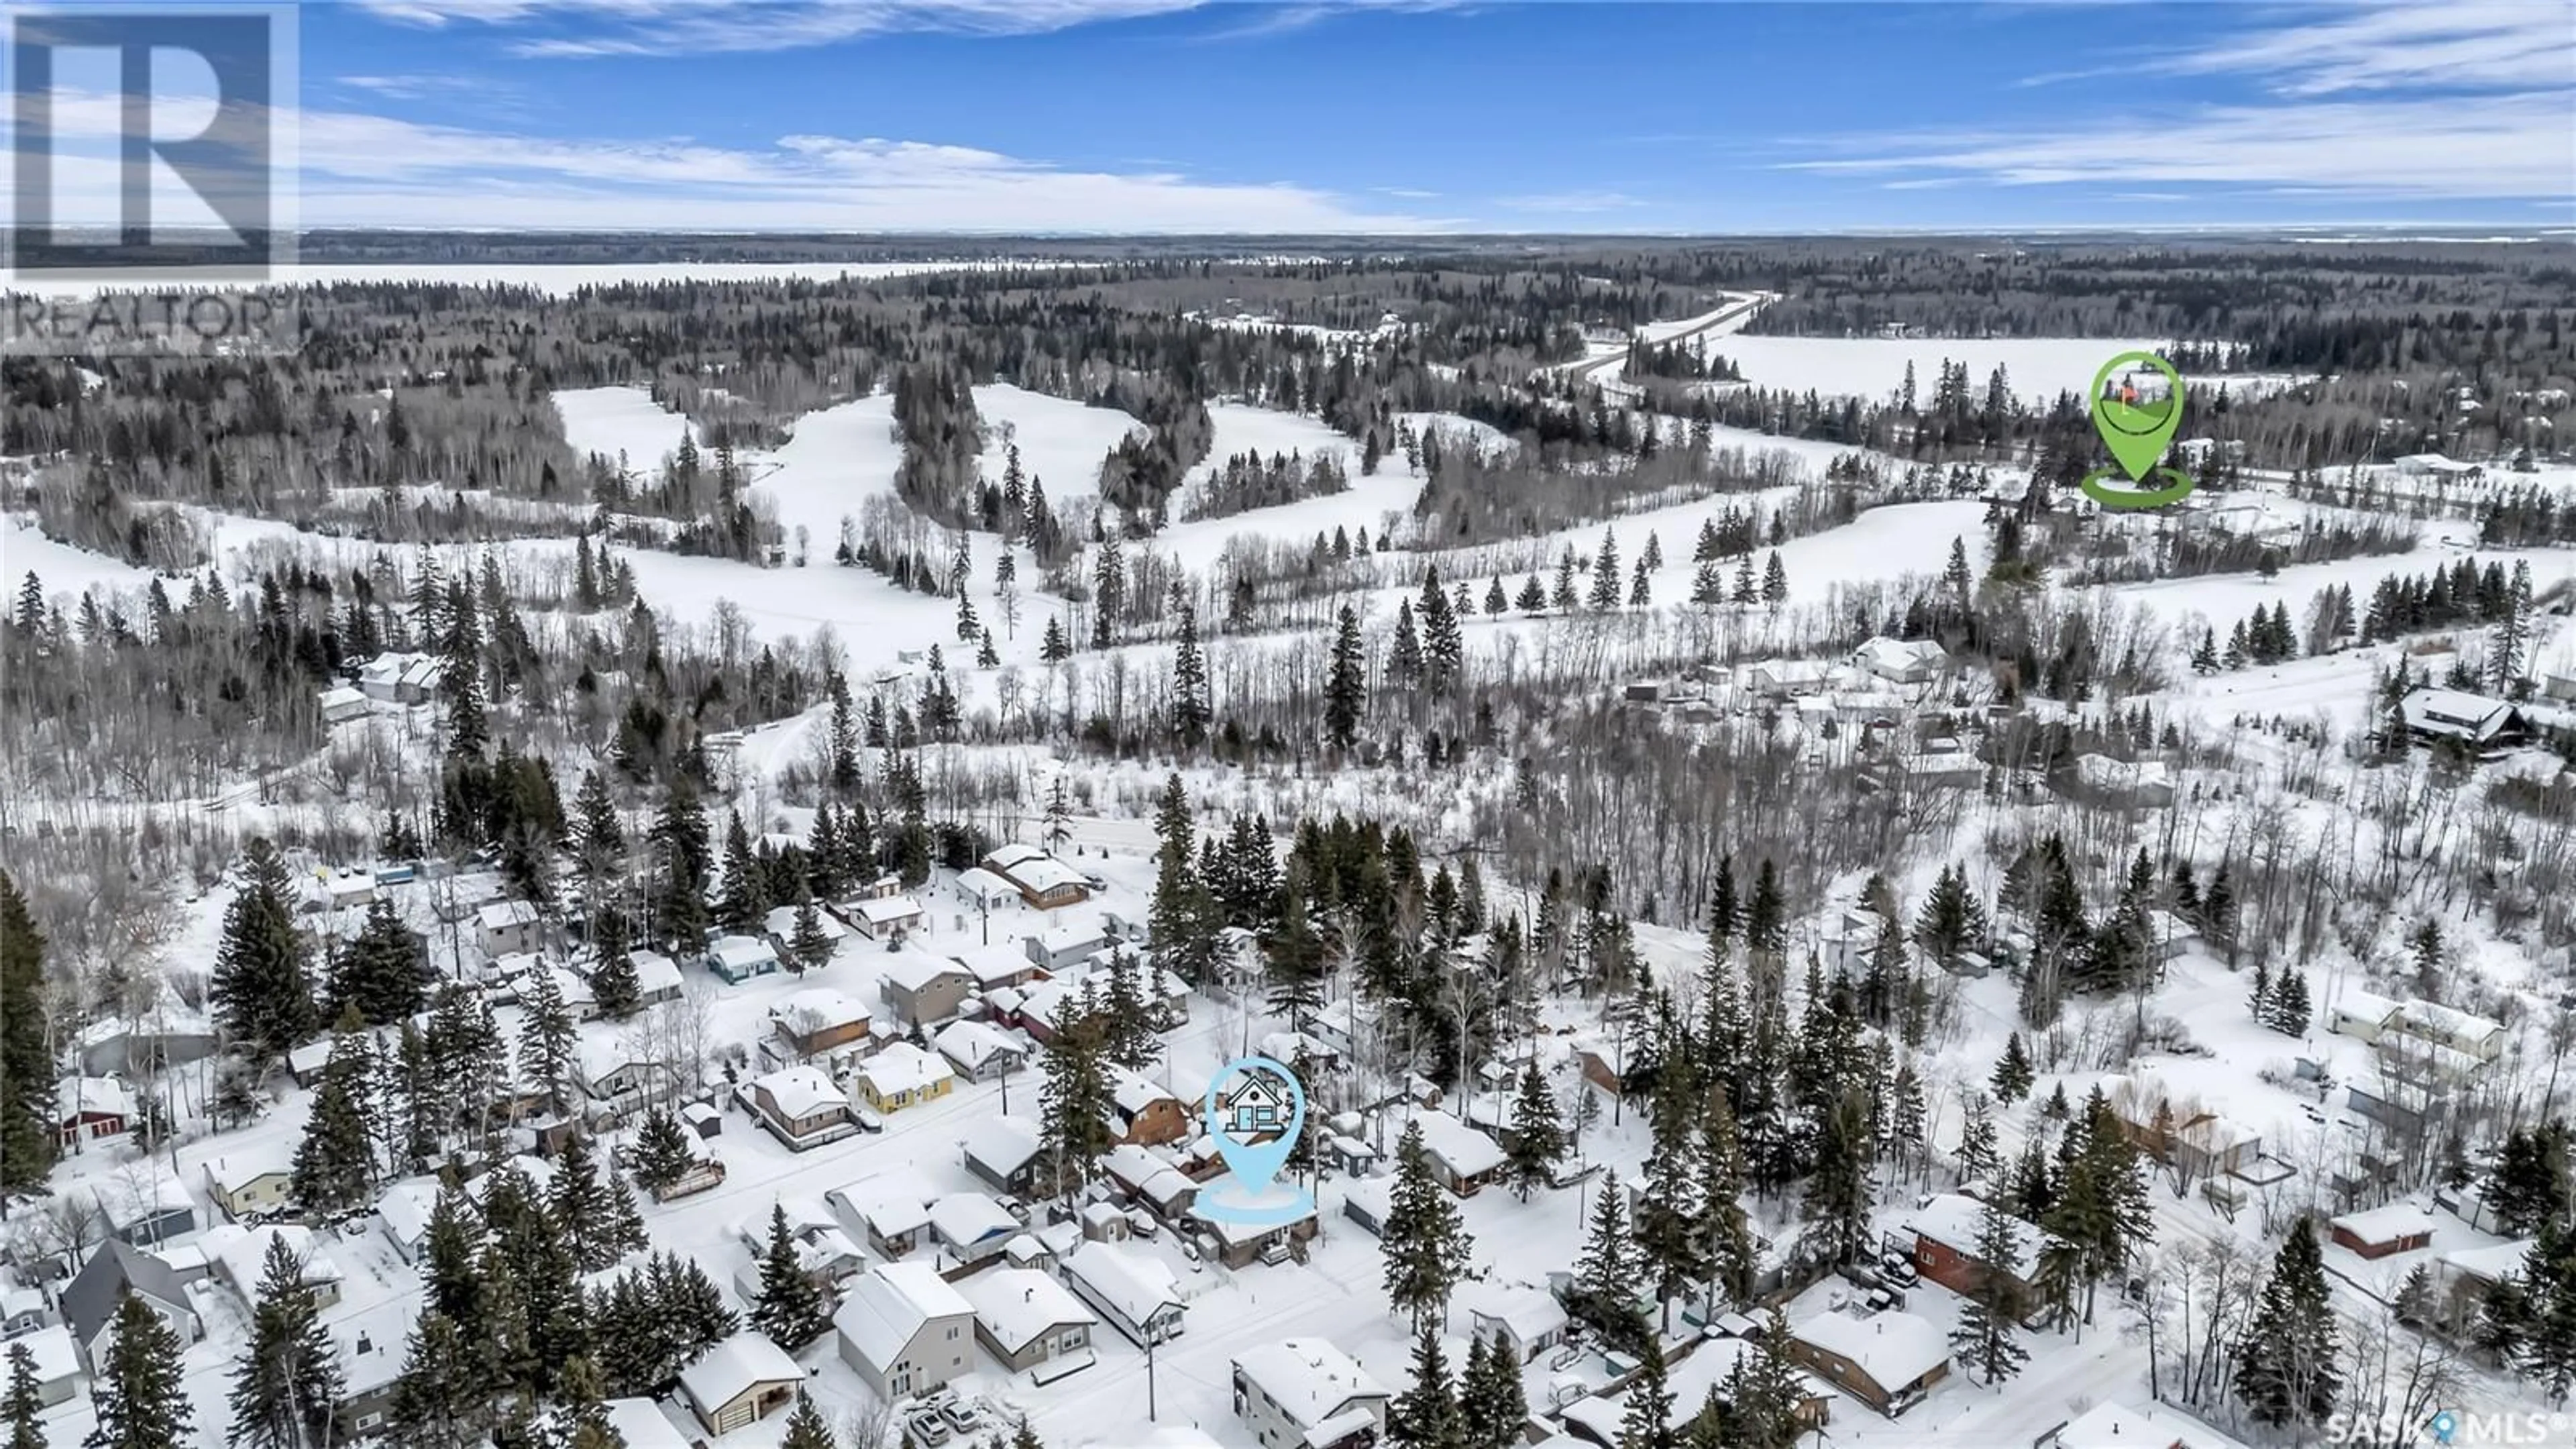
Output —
<point x="1255" y="1110"/>
<point x="151" y="150"/>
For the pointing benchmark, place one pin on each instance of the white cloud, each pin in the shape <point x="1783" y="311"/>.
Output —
<point x="695" y="27"/>
<point x="2460" y="146"/>
<point x="2512" y="45"/>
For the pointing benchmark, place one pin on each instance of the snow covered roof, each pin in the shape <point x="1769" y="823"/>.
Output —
<point x="655" y="973"/>
<point x="889" y="1304"/>
<point x="963" y="1219"/>
<point x="246" y="1162"/>
<point x="1064" y="940"/>
<point x="723" y="1372"/>
<point x="1688" y="1383"/>
<point x="782" y="924"/>
<point x="1893" y="1348"/>
<point x="914" y="970"/>
<point x="239" y="1253"/>
<point x="1006" y="856"/>
<point x="2359" y="1005"/>
<point x="983" y="885"/>
<point x="507" y="915"/>
<point x="1136" y="1092"/>
<point x="2433" y="1019"/>
<point x="372" y="1343"/>
<point x="1134" y="1285"/>
<point x="2491" y="1262"/>
<point x="2386" y="1224"/>
<point x="903" y="1067"/>
<point x="1019" y="1305"/>
<point x="1531" y="1313"/>
<point x="1955" y="1221"/>
<point x="2102" y="772"/>
<point x="800" y="1092"/>
<point x="1000" y="962"/>
<point x="641" y="1424"/>
<point x="1044" y="873"/>
<point x="406" y="1208"/>
<point x="79" y="1094"/>
<point x="1312" y="1382"/>
<point x="2114" y="1425"/>
<point x="2455" y="712"/>
<point x="737" y="953"/>
<point x="1002" y="1144"/>
<point x="811" y="1009"/>
<point x="1462" y="1149"/>
<point x="1887" y="655"/>
<point x="57" y="1356"/>
<point x="885" y="910"/>
<point x="972" y="1043"/>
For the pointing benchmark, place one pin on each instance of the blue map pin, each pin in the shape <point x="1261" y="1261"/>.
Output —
<point x="1255" y="1109"/>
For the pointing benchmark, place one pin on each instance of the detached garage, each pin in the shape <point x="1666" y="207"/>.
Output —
<point x="2382" y="1231"/>
<point x="740" y="1381"/>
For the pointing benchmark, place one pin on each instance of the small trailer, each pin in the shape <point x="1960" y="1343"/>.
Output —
<point x="704" y="1174"/>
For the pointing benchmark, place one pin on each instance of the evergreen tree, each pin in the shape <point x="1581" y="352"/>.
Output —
<point x="548" y="1037"/>
<point x="1532" y="597"/>
<point x="1977" y="1160"/>
<point x="1605" y="1279"/>
<point x="287" y="1383"/>
<point x="1345" y="684"/>
<point x="262" y="998"/>
<point x="438" y="1402"/>
<point x="1443" y="650"/>
<point x="1728" y="1233"/>
<point x="1425" y="1243"/>
<point x="137" y="1396"/>
<point x="1077" y="1098"/>
<point x="1605" y="573"/>
<point x="1427" y="1416"/>
<point x="1054" y="647"/>
<point x="791" y="1308"/>
<point x="1645" y="1422"/>
<point x="1987" y="1338"/>
<point x="1496" y="601"/>
<point x="613" y="984"/>
<point x="810" y="947"/>
<point x="664" y="1151"/>
<point x="1775" y="581"/>
<point x="28" y="1143"/>
<point x="2286" y="1369"/>
<point x="335" y="1164"/>
<point x="1492" y="1406"/>
<point x="2013" y="1074"/>
<point x="22" y="1406"/>
<point x="1538" y="1133"/>
<point x="597" y="1220"/>
<point x="1190" y="709"/>
<point x="1670" y="1238"/>
<point x="807" y="1429"/>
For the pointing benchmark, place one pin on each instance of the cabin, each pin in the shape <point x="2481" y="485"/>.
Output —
<point x="985" y="890"/>
<point x="1462" y="1157"/>
<point x="1131" y="1292"/>
<point x="399" y="678"/>
<point x="24" y="1310"/>
<point x="89" y="1108"/>
<point x="2473" y="1036"/>
<point x="740" y="1381"/>
<point x="2438" y="468"/>
<point x="779" y="929"/>
<point x="905" y="1330"/>
<point x="2483" y="725"/>
<point x="2362" y="1015"/>
<point x="1305" y="1393"/>
<point x="2397" y="1228"/>
<point x="2125" y="784"/>
<point x="891" y="1226"/>
<point x="506" y="928"/>
<point x="802" y="1107"/>
<point x="924" y="990"/>
<point x="1031" y="1322"/>
<point x="2190" y="1138"/>
<point x="342" y="704"/>
<point x="657" y="977"/>
<point x="901" y="1076"/>
<point x="737" y="959"/>
<point x="1946" y="1229"/>
<point x="1042" y="880"/>
<point x="885" y="918"/>
<point x="1888" y="1361"/>
<point x="1004" y="1152"/>
<point x="146" y="1206"/>
<point x="616" y="1075"/>
<point x="980" y="1051"/>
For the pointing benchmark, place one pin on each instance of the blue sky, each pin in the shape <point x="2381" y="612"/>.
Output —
<point x="1163" y="115"/>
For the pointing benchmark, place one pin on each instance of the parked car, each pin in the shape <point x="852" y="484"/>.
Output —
<point x="925" y="1429"/>
<point x="1899" y="1269"/>
<point x="959" y="1415"/>
<point x="1140" y="1223"/>
<point x="867" y="1118"/>
<point x="1277" y="1252"/>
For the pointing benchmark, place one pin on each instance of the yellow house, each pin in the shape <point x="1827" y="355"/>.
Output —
<point x="903" y="1075"/>
<point x="247" y="1183"/>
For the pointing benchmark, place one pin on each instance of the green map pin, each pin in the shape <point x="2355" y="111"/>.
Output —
<point x="2137" y="405"/>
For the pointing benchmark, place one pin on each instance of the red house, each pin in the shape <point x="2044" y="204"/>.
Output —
<point x="2397" y="1228"/>
<point x="93" y="1107"/>
<point x="1946" y="1228"/>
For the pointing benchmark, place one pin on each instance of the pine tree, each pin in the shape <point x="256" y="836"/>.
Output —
<point x="791" y="1308"/>
<point x="809" y="946"/>
<point x="1563" y="597"/>
<point x="664" y="1151"/>
<point x="1605" y="573"/>
<point x="1404" y="656"/>
<point x="287" y="1383"/>
<point x="1987" y="1339"/>
<point x="1425" y="1243"/>
<point x="1492" y="1406"/>
<point x="1646" y="1421"/>
<point x="1054" y="647"/>
<point x="2014" y="1074"/>
<point x="1605" y="1280"/>
<point x="1076" y="1099"/>
<point x="597" y="1220"/>
<point x="1190" y="709"/>
<point x="2286" y="1370"/>
<point x="1775" y="581"/>
<point x="1496" y="601"/>
<point x="1345" y="684"/>
<point x="335" y="1165"/>
<point x="23" y="1404"/>
<point x="1426" y="1415"/>
<point x="261" y="994"/>
<point x="438" y="1401"/>
<point x="1670" y="1237"/>
<point x="137" y="1396"/>
<point x="806" y="1427"/>
<point x="1538" y="1133"/>
<point x="1533" y="596"/>
<point x="1977" y="1159"/>
<point x="28" y="1143"/>
<point x="1443" y="650"/>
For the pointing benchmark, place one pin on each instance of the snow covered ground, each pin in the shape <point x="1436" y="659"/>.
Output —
<point x="562" y="279"/>
<point x="2039" y="368"/>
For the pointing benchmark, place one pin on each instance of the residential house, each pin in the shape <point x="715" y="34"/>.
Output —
<point x="2363" y="1014"/>
<point x="980" y="1051"/>
<point x="89" y="1301"/>
<point x="1240" y="1244"/>
<point x="2169" y="935"/>
<point x="573" y="990"/>
<point x="505" y="928"/>
<point x="892" y="1226"/>
<point x="1529" y="1320"/>
<point x="2114" y="1425"/>
<point x="2454" y="716"/>
<point x="342" y="704"/>
<point x="2191" y="1138"/>
<point x="617" y="1075"/>
<point x="247" y="1180"/>
<point x="2396" y="1228"/>
<point x="56" y="1364"/>
<point x="399" y="678"/>
<point x="1059" y="949"/>
<point x="985" y="890"/>
<point x="641" y="1424"/>
<point x="1133" y="1293"/>
<point x="1150" y="1181"/>
<point x="1042" y="880"/>
<point x="901" y="1076"/>
<point x="905" y="1330"/>
<point x="1148" y="1114"/>
<point x="997" y="966"/>
<point x="2460" y="1031"/>
<point x="371" y="1346"/>
<point x="971" y="1226"/>
<point x="737" y="959"/>
<point x="802" y="1107"/>
<point x="1367" y="1201"/>
<point x="1947" y="1228"/>
<point x="740" y="1381"/>
<point x="1888" y="1361"/>
<point x="2128" y="784"/>
<point x="1463" y="1158"/>
<point x="23" y="1310"/>
<point x="816" y="1022"/>
<point x="240" y="1257"/>
<point x="885" y="918"/>
<point x="2437" y="467"/>
<point x="1697" y="1372"/>
<point x="145" y="1206"/>
<point x="1787" y="678"/>
<point x="405" y="1210"/>
<point x="779" y="928"/>
<point x="925" y="990"/>
<point x="1030" y="1322"/>
<point x="1004" y="1152"/>
<point x="89" y="1108"/>
<point x="657" y="977"/>
<point x="1305" y="1393"/>
<point x="1901" y="661"/>
<point x="167" y="1037"/>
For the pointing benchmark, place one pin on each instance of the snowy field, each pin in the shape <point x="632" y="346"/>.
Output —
<point x="563" y="279"/>
<point x="2039" y="368"/>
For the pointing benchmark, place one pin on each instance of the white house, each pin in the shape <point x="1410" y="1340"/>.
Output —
<point x="2455" y="715"/>
<point x="1030" y="1322"/>
<point x="905" y="1330"/>
<point x="505" y="928"/>
<point x="1901" y="661"/>
<point x="1304" y="1393"/>
<point x="1527" y="1319"/>
<point x="981" y="1051"/>
<point x="1135" y="1294"/>
<point x="343" y="704"/>
<point x="972" y="1226"/>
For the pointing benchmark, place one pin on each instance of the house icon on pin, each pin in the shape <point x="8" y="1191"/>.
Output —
<point x="1256" y="1107"/>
